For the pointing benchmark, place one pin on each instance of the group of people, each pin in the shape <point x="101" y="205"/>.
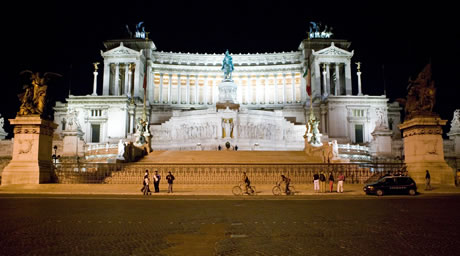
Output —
<point x="319" y="182"/>
<point x="156" y="182"/>
<point x="283" y="181"/>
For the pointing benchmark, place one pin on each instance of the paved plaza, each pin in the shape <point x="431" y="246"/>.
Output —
<point x="338" y="224"/>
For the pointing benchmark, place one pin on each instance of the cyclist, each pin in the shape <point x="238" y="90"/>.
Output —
<point x="285" y="181"/>
<point x="247" y="182"/>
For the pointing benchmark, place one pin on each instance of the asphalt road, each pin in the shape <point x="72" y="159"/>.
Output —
<point x="219" y="225"/>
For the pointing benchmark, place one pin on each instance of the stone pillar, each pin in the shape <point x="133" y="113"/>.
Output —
<point x="293" y="87"/>
<point x="275" y="82"/>
<point x="316" y="83"/>
<point x="106" y="82"/>
<point x="32" y="149"/>
<point x="196" y="89"/>
<point x="348" y="90"/>
<point x="206" y="91"/>
<point x="117" y="79"/>
<point x="424" y="150"/>
<point x="130" y="81"/>
<point x="324" y="81"/>
<point x="179" y="89"/>
<point x="284" y="88"/>
<point x="160" y="97"/>
<point x="187" y="92"/>
<point x="169" y="88"/>
<point x="95" y="84"/>
<point x="337" y="79"/>
<point x="248" y="88"/>
<point x="359" y="83"/>
<point x="137" y="74"/>
<point x="328" y="79"/>
<point x="150" y="85"/>
<point x="127" y="79"/>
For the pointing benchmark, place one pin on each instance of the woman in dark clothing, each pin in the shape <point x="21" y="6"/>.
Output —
<point x="331" y="182"/>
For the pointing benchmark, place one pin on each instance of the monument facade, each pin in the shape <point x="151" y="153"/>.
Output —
<point x="187" y="95"/>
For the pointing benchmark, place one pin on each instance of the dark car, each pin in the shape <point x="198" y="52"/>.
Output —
<point x="392" y="185"/>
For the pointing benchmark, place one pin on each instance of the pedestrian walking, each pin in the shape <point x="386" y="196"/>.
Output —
<point x="170" y="178"/>
<point x="427" y="180"/>
<point x="316" y="182"/>
<point x="156" y="181"/>
<point x="146" y="185"/>
<point x="340" y="181"/>
<point x="331" y="182"/>
<point x="322" y="182"/>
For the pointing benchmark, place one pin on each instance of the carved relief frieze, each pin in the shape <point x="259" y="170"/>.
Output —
<point x="427" y="130"/>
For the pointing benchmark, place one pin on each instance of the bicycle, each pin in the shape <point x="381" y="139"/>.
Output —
<point x="238" y="190"/>
<point x="276" y="190"/>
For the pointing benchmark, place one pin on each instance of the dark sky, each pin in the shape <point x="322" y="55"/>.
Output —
<point x="66" y="37"/>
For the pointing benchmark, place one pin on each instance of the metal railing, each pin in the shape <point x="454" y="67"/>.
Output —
<point x="86" y="173"/>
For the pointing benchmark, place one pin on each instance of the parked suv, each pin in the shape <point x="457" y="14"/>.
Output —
<point x="392" y="185"/>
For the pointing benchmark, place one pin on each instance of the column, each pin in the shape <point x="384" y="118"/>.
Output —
<point x="303" y="89"/>
<point x="130" y="80"/>
<point x="324" y="80"/>
<point x="276" y="90"/>
<point x="258" y="90"/>
<point x="248" y="95"/>
<point x="179" y="96"/>
<point x="160" y="98"/>
<point x="196" y="89"/>
<point x="206" y="89"/>
<point x="328" y="79"/>
<point x="293" y="87"/>
<point x="316" y="85"/>
<point x="323" y="111"/>
<point x="94" y="83"/>
<point x="150" y="85"/>
<point x="117" y="79"/>
<point x="348" y="78"/>
<point x="187" y="91"/>
<point x="284" y="88"/>
<point x="266" y="86"/>
<point x="337" y="79"/>
<point x="137" y="75"/>
<point x="169" y="88"/>
<point x="106" y="82"/>
<point x="125" y="92"/>
<point x="359" y="83"/>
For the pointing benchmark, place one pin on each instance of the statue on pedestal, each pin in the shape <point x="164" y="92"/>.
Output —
<point x="34" y="100"/>
<point x="227" y="66"/>
<point x="3" y="134"/>
<point x="421" y="95"/>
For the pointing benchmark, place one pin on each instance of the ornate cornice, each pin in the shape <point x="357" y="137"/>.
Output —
<point x="422" y="130"/>
<point x="196" y="59"/>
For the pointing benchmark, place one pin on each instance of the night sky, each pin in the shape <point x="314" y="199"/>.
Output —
<point x="391" y="41"/>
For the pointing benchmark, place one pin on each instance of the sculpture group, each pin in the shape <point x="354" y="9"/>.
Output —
<point x="33" y="99"/>
<point x="421" y="94"/>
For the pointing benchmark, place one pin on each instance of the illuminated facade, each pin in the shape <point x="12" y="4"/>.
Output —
<point x="182" y="91"/>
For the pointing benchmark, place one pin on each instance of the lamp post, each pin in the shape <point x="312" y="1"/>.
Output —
<point x="55" y="156"/>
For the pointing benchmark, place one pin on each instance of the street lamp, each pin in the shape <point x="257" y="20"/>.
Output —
<point x="55" y="156"/>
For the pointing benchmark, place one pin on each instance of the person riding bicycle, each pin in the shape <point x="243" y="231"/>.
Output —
<point x="285" y="181"/>
<point x="247" y="182"/>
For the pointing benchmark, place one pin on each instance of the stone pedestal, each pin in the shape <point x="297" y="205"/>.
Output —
<point x="227" y="91"/>
<point x="423" y="149"/>
<point x="73" y="145"/>
<point x="31" y="162"/>
<point x="381" y="145"/>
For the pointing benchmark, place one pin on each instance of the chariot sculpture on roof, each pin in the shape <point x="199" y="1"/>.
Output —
<point x="227" y="66"/>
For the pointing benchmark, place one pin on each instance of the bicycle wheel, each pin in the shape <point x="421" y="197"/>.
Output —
<point x="252" y="191"/>
<point x="236" y="190"/>
<point x="276" y="190"/>
<point x="292" y="190"/>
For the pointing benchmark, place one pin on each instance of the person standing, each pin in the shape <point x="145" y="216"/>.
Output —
<point x="156" y="181"/>
<point x="170" y="178"/>
<point x="427" y="180"/>
<point x="316" y="182"/>
<point x="322" y="182"/>
<point x="340" y="181"/>
<point x="331" y="182"/>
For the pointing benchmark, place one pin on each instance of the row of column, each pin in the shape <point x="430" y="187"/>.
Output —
<point x="261" y="95"/>
<point x="327" y="82"/>
<point x="116" y="83"/>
